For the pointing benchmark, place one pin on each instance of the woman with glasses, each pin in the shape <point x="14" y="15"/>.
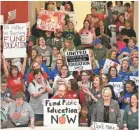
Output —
<point x="106" y="110"/>
<point x="64" y="75"/>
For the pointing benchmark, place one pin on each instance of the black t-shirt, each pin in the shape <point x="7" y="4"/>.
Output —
<point x="106" y="114"/>
<point x="6" y="94"/>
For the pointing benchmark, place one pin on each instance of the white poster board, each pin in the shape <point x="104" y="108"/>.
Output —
<point x="78" y="60"/>
<point x="108" y="63"/>
<point x="135" y="79"/>
<point x="1" y="19"/>
<point x="103" y="126"/>
<point x="61" y="112"/>
<point x="113" y="32"/>
<point x="86" y="38"/>
<point x="117" y="87"/>
<point x="12" y="15"/>
<point x="14" y="40"/>
<point x="72" y="17"/>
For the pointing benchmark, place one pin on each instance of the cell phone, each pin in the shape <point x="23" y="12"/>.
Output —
<point x="122" y="93"/>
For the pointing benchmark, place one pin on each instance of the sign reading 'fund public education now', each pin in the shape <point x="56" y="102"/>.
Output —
<point x="78" y="60"/>
<point x="61" y="112"/>
<point x="14" y="40"/>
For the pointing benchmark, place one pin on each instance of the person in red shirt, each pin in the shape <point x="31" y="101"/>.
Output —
<point x="14" y="77"/>
<point x="61" y="92"/>
<point x="73" y="92"/>
<point x="35" y="65"/>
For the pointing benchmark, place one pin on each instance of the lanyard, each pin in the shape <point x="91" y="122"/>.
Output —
<point x="19" y="109"/>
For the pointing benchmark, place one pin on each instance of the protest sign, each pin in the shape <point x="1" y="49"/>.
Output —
<point x="103" y="126"/>
<point x="100" y="5"/>
<point x="135" y="79"/>
<point x="61" y="112"/>
<point x="12" y="15"/>
<point x="86" y="38"/>
<point x="72" y="17"/>
<point x="1" y="19"/>
<point x="113" y="32"/>
<point x="78" y="60"/>
<point x="14" y="40"/>
<point x="117" y="87"/>
<point x="108" y="63"/>
<point x="50" y="20"/>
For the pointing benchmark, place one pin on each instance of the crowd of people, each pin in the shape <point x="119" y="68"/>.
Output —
<point x="44" y="72"/>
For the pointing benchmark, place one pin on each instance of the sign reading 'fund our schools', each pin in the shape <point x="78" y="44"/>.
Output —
<point x="61" y="112"/>
<point x="78" y="60"/>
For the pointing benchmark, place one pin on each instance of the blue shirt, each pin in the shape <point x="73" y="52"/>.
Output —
<point x="53" y="74"/>
<point x="125" y="76"/>
<point x="126" y="49"/>
<point x="117" y="79"/>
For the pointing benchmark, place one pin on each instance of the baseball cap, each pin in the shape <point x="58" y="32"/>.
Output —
<point x="96" y="41"/>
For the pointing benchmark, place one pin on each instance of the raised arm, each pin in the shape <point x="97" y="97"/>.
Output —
<point x="24" y="65"/>
<point x="6" y="72"/>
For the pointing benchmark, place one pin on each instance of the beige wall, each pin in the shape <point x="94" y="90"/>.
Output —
<point x="136" y="10"/>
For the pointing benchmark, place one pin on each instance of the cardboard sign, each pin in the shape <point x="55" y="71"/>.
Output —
<point x="72" y="17"/>
<point x="100" y="5"/>
<point x="50" y="20"/>
<point x="14" y="40"/>
<point x="1" y="19"/>
<point x="117" y="87"/>
<point x="103" y="126"/>
<point x="78" y="60"/>
<point x="135" y="79"/>
<point x="113" y="32"/>
<point x="12" y="15"/>
<point x="86" y="38"/>
<point x="61" y="112"/>
<point x="108" y="63"/>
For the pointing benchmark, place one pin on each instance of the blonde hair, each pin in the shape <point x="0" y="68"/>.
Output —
<point x="71" y="43"/>
<point x="109" y="53"/>
<point x="107" y="90"/>
<point x="67" y="30"/>
<point x="132" y="52"/>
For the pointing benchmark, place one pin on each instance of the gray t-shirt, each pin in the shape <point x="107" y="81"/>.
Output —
<point x="37" y="103"/>
<point x="25" y="110"/>
<point x="47" y="53"/>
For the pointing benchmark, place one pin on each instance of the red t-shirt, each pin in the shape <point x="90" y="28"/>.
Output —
<point x="31" y="77"/>
<point x="74" y="95"/>
<point x="64" y="97"/>
<point x="15" y="83"/>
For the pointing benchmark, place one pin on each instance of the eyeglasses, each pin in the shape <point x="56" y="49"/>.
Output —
<point x="84" y="75"/>
<point x="64" y="69"/>
<point x="113" y="70"/>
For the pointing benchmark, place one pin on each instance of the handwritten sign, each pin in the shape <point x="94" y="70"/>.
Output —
<point x="78" y="60"/>
<point x="103" y="126"/>
<point x="113" y="32"/>
<point x="108" y="63"/>
<point x="14" y="40"/>
<point x="1" y="19"/>
<point x="61" y="112"/>
<point x="135" y="79"/>
<point x="117" y="87"/>
<point x="86" y="38"/>
<point x="12" y="15"/>
<point x="50" y="20"/>
<point x="72" y="16"/>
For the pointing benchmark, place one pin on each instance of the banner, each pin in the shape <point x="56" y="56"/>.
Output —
<point x="117" y="87"/>
<point x="86" y="38"/>
<point x="103" y="126"/>
<point x="1" y="19"/>
<point x="14" y="40"/>
<point x="108" y="63"/>
<point x="113" y="32"/>
<point x="72" y="17"/>
<point x="78" y="60"/>
<point x="50" y="20"/>
<point x="12" y="15"/>
<point x="61" y="112"/>
<point x="135" y="79"/>
<point x="100" y="5"/>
